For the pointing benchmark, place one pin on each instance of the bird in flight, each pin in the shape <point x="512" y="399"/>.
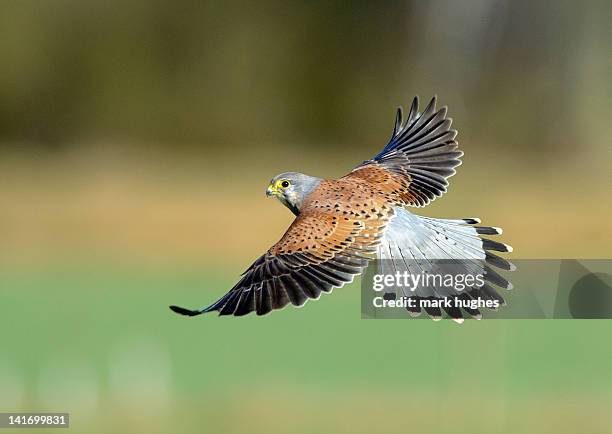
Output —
<point x="341" y="225"/>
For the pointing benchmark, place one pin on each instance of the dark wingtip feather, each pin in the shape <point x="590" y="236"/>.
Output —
<point x="184" y="311"/>
<point x="454" y="313"/>
<point x="493" y="277"/>
<point x="431" y="107"/>
<point x="494" y="245"/>
<point x="499" y="262"/>
<point x="488" y="230"/>
<point x="414" y="110"/>
<point x="398" y="122"/>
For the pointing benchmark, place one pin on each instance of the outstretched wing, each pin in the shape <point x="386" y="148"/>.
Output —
<point x="320" y="251"/>
<point x="421" y="155"/>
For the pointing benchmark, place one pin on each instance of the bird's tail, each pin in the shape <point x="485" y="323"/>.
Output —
<point x="416" y="244"/>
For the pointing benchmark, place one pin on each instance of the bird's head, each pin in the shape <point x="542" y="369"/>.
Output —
<point x="291" y="188"/>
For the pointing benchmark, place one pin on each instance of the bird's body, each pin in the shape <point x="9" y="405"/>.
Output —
<point x="343" y="224"/>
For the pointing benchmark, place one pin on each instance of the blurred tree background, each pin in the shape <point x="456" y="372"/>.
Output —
<point x="195" y="74"/>
<point x="137" y="139"/>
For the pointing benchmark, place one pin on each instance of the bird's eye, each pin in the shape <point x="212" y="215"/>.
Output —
<point x="284" y="183"/>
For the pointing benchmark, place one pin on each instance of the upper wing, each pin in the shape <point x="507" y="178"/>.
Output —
<point x="319" y="251"/>
<point x="422" y="153"/>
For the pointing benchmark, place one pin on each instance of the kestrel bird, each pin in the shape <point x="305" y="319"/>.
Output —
<point x="343" y="224"/>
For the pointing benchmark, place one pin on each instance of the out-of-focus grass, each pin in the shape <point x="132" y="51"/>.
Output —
<point x="320" y="368"/>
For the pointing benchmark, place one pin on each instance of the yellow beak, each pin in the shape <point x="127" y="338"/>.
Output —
<point x="271" y="190"/>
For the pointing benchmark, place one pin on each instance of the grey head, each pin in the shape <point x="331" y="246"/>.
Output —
<point x="292" y="188"/>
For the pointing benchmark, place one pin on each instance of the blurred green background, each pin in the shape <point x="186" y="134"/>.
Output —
<point x="136" y="142"/>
